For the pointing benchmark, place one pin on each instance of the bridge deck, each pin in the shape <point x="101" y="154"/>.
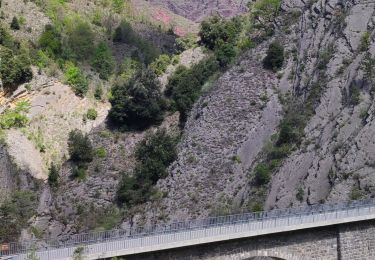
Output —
<point x="212" y="230"/>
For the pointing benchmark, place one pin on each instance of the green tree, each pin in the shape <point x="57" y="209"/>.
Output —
<point x="154" y="154"/>
<point x="157" y="149"/>
<point x="185" y="86"/>
<point x="98" y="92"/>
<point x="217" y="31"/>
<point x="187" y="42"/>
<point x="80" y="40"/>
<point x="80" y="147"/>
<point x="368" y="67"/>
<point x="50" y="41"/>
<point x="14" y="69"/>
<point x="124" y="33"/>
<point x="225" y="53"/>
<point x="275" y="56"/>
<point x="14" y="25"/>
<point x="138" y="103"/>
<point x="75" y="78"/>
<point x="15" y="212"/>
<point x="5" y="38"/>
<point x="103" y="61"/>
<point x="160" y="65"/>
<point x="262" y="174"/>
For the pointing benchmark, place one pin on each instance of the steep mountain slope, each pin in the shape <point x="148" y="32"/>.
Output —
<point x="232" y="129"/>
<point x="222" y="137"/>
<point x="226" y="137"/>
<point x="197" y="10"/>
<point x="335" y="161"/>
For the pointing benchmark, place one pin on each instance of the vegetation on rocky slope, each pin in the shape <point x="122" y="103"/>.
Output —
<point x="105" y="54"/>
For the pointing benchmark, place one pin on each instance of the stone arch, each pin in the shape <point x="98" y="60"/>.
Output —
<point x="281" y="254"/>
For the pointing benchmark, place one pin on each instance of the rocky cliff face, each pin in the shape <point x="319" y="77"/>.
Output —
<point x="222" y="138"/>
<point x="326" y="43"/>
<point x="230" y="126"/>
<point x="197" y="10"/>
<point x="335" y="161"/>
<point x="11" y="176"/>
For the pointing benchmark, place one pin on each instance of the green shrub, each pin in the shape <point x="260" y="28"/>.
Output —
<point x="53" y="176"/>
<point x="130" y="192"/>
<point x="98" y="92"/>
<point x="275" y="56"/>
<point x="41" y="59"/>
<point x="118" y="5"/>
<point x="365" y="41"/>
<point x="262" y="174"/>
<point x="79" y="172"/>
<point x="75" y="78"/>
<point x="185" y="85"/>
<point x="14" y="69"/>
<point x="154" y="154"/>
<point x="265" y="10"/>
<point x="217" y="31"/>
<point x="257" y="207"/>
<point x="124" y="33"/>
<point x="80" y="147"/>
<point x="157" y="147"/>
<point x="354" y="95"/>
<point x="103" y="61"/>
<point x="159" y="66"/>
<point x="14" y="25"/>
<point x="128" y="69"/>
<point x="50" y="41"/>
<point x="91" y="114"/>
<point x="292" y="126"/>
<point x="279" y="152"/>
<point x="368" y="67"/>
<point x="187" y="42"/>
<point x="225" y="53"/>
<point x="300" y="194"/>
<point x="148" y="50"/>
<point x="15" y="117"/>
<point x="15" y="213"/>
<point x="101" y="152"/>
<point x="5" y="38"/>
<point x="324" y="57"/>
<point x="356" y="193"/>
<point x="80" y="39"/>
<point x="139" y="103"/>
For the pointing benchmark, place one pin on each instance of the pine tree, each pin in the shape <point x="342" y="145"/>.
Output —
<point x="14" y="25"/>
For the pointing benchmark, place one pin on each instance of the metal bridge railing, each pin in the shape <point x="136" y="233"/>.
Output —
<point x="279" y="217"/>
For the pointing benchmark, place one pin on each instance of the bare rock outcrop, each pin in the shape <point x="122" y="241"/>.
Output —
<point x="197" y="10"/>
<point x="335" y="161"/>
<point x="225" y="132"/>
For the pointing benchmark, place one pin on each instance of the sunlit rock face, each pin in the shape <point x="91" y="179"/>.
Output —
<point x="197" y="10"/>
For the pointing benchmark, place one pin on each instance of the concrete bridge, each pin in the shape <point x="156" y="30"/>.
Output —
<point x="340" y="231"/>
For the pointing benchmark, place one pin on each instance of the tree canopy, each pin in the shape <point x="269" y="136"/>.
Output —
<point x="14" y="69"/>
<point x="138" y="103"/>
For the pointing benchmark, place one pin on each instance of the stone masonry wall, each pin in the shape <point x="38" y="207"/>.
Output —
<point x="357" y="241"/>
<point x="354" y="241"/>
